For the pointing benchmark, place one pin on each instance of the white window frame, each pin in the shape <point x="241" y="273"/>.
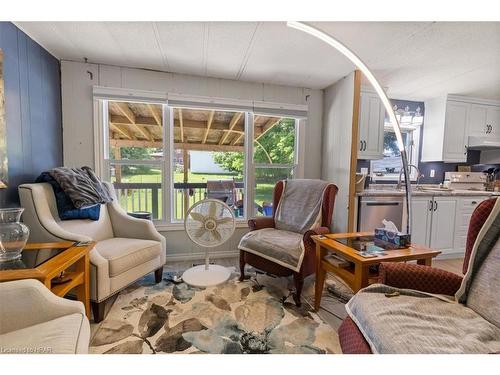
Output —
<point x="102" y="161"/>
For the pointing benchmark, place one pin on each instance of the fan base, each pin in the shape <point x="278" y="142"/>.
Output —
<point x="200" y="277"/>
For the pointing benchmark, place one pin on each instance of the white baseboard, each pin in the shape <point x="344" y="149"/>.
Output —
<point x="201" y="255"/>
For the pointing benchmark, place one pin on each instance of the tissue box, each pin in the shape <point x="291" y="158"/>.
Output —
<point x="391" y="240"/>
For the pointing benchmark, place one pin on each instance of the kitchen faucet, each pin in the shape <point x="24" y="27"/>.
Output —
<point x="419" y="175"/>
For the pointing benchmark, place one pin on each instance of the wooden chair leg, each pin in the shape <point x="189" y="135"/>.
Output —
<point x="242" y="266"/>
<point x="98" y="310"/>
<point x="298" y="279"/>
<point x="159" y="275"/>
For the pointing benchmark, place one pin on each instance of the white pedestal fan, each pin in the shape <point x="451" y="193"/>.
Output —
<point x="208" y="223"/>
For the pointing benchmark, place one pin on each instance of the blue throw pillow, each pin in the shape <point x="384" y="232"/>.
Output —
<point x="65" y="207"/>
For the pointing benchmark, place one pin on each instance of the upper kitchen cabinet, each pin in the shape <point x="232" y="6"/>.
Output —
<point x="371" y="126"/>
<point x="484" y="120"/>
<point x="448" y="123"/>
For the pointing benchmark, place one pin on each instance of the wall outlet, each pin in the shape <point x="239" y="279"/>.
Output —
<point x="433" y="173"/>
<point x="364" y="170"/>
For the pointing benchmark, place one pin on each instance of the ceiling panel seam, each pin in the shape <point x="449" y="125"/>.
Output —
<point x="162" y="52"/>
<point x="248" y="52"/>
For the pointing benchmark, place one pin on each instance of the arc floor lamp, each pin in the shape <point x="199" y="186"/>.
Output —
<point x="340" y="47"/>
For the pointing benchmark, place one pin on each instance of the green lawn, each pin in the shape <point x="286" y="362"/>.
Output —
<point x="263" y="192"/>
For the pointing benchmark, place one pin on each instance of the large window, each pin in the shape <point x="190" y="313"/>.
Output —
<point x="274" y="157"/>
<point x="135" y="155"/>
<point x="209" y="158"/>
<point x="162" y="159"/>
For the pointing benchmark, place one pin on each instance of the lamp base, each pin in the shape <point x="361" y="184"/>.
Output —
<point x="200" y="277"/>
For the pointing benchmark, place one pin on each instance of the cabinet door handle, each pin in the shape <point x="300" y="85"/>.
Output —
<point x="465" y="153"/>
<point x="473" y="203"/>
<point x="430" y="205"/>
<point x="365" y="146"/>
<point x="435" y="205"/>
<point x="360" y="145"/>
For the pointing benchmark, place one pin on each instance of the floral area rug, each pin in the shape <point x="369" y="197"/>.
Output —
<point x="254" y="316"/>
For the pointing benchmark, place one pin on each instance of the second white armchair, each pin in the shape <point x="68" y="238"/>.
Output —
<point x="127" y="248"/>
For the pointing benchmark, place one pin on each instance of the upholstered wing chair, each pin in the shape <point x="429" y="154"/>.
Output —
<point x="417" y="277"/>
<point x="33" y="320"/>
<point x="127" y="248"/>
<point x="308" y="266"/>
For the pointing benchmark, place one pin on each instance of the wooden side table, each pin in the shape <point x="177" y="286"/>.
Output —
<point x="359" y="273"/>
<point x="68" y="257"/>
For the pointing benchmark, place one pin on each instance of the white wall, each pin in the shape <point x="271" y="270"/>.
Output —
<point x="337" y="127"/>
<point x="78" y="80"/>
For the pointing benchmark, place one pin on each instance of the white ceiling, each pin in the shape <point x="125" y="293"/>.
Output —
<point x="414" y="60"/>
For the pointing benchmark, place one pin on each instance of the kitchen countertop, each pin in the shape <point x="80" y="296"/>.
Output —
<point x="386" y="192"/>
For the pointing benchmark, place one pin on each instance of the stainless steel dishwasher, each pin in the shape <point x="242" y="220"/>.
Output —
<point x="372" y="210"/>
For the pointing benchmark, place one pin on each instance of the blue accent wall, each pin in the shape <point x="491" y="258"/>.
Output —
<point x="32" y="82"/>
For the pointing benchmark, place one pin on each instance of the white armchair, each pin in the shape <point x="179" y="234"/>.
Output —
<point x="127" y="248"/>
<point x="33" y="320"/>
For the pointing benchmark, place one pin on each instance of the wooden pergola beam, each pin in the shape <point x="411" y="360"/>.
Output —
<point x="125" y="111"/>
<point x="268" y="126"/>
<point x="232" y="124"/>
<point x="125" y="132"/>
<point x="181" y="146"/>
<point x="209" y="124"/>
<point x="153" y="109"/>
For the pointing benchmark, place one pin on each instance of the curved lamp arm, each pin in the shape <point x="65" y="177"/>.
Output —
<point x="328" y="39"/>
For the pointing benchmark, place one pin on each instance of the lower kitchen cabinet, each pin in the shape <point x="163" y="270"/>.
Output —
<point x="421" y="220"/>
<point x="442" y="222"/>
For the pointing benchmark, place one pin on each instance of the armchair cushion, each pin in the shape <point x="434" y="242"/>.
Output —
<point x="422" y="278"/>
<point x="280" y="246"/>
<point x="58" y="336"/>
<point x="124" y="254"/>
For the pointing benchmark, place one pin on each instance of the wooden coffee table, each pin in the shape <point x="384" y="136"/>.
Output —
<point x="67" y="258"/>
<point x="358" y="271"/>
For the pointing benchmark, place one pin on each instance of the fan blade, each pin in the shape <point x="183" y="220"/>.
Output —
<point x="212" y="210"/>
<point x="224" y="220"/>
<point x="200" y="232"/>
<point x="197" y="216"/>
<point x="217" y="235"/>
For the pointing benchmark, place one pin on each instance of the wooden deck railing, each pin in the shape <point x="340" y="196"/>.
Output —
<point x="137" y="196"/>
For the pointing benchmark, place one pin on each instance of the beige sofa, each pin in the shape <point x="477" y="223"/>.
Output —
<point x="127" y="248"/>
<point x="33" y="320"/>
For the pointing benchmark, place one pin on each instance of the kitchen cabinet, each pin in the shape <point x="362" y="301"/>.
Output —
<point x="434" y="222"/>
<point x="421" y="220"/>
<point x="465" y="207"/>
<point x="371" y="126"/>
<point x="484" y="121"/>
<point x="442" y="222"/>
<point x="450" y="120"/>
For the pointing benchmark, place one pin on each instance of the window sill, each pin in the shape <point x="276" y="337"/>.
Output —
<point x="165" y="227"/>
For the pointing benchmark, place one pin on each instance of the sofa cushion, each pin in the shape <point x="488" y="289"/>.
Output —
<point x="57" y="336"/>
<point x="97" y="230"/>
<point x="126" y="253"/>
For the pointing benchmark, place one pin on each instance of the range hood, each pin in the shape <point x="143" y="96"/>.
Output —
<point x="484" y="143"/>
